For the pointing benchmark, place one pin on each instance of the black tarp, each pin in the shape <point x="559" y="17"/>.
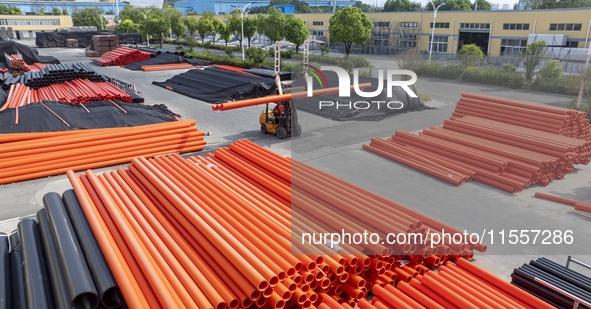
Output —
<point x="283" y="75"/>
<point x="30" y="57"/>
<point x="166" y="59"/>
<point x="35" y="117"/>
<point x="373" y="111"/>
<point x="44" y="39"/>
<point x="215" y="85"/>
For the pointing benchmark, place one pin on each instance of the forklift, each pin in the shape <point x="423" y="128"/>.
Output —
<point x="283" y="120"/>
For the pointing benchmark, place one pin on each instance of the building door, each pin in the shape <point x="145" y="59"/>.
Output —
<point x="478" y="38"/>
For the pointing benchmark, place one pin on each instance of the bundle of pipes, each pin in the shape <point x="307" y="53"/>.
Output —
<point x="54" y="74"/>
<point x="37" y="66"/>
<point x="17" y="64"/>
<point x="162" y="67"/>
<point x="33" y="155"/>
<point x="232" y="69"/>
<point x="508" y="157"/>
<point x="121" y="56"/>
<point x="78" y="91"/>
<point x="55" y="262"/>
<point x="219" y="232"/>
<point x="557" y="120"/>
<point x="464" y="285"/>
<point x="581" y="206"/>
<point x="542" y="276"/>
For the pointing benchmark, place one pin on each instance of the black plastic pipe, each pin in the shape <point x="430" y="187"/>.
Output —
<point x="106" y="286"/>
<point x="5" y="281"/>
<point x="37" y="288"/>
<point x="60" y="296"/>
<point x="16" y="271"/>
<point x="77" y="279"/>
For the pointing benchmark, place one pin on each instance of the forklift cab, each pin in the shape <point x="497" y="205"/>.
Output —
<point x="278" y="120"/>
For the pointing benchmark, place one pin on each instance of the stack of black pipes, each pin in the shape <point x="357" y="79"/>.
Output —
<point x="557" y="276"/>
<point x="55" y="261"/>
<point x="53" y="74"/>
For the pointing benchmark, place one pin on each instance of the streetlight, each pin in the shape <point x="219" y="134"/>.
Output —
<point x="170" y="28"/>
<point x="146" y="20"/>
<point x="242" y="12"/>
<point x="102" y="25"/>
<point x="433" y="30"/>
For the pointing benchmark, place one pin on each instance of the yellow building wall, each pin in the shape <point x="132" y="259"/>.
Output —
<point x="539" y="23"/>
<point x="35" y="22"/>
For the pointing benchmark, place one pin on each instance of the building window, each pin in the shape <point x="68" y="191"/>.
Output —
<point x="572" y="44"/>
<point x="440" y="25"/>
<point x="411" y="25"/>
<point x="318" y="23"/>
<point x="439" y="44"/>
<point x="316" y="32"/>
<point x="511" y="47"/>
<point x="515" y="26"/>
<point x="474" y="26"/>
<point x="566" y="27"/>
<point x="385" y="24"/>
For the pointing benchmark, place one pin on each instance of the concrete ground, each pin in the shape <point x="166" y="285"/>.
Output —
<point x="335" y="147"/>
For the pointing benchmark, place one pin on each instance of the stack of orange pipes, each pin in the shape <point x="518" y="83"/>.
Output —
<point x="464" y="285"/>
<point x="37" y="66"/>
<point x="558" y="120"/>
<point x="233" y="69"/>
<point x="33" y="155"/>
<point x="17" y="65"/>
<point x="162" y="67"/>
<point x="581" y="206"/>
<point x="76" y="91"/>
<point x="121" y="56"/>
<point x="220" y="232"/>
<point x="506" y="156"/>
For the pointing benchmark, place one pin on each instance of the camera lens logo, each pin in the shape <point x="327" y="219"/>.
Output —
<point x="315" y="72"/>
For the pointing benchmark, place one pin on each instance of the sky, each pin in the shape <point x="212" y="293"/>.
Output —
<point x="423" y="2"/>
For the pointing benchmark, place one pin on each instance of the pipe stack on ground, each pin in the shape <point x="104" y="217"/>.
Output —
<point x="121" y="56"/>
<point x="37" y="66"/>
<point x="557" y="276"/>
<point x="17" y="64"/>
<point x="581" y="206"/>
<point x="557" y="120"/>
<point x="54" y="74"/>
<point x="55" y="262"/>
<point x="506" y="156"/>
<point x="221" y="232"/>
<point x="464" y="285"/>
<point x="33" y="155"/>
<point x="162" y="67"/>
<point x="77" y="91"/>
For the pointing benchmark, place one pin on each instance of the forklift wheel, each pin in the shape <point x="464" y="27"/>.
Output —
<point x="263" y="128"/>
<point x="281" y="132"/>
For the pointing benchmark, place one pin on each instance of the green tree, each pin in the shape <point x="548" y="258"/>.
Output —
<point x="65" y="12"/>
<point x="205" y="25"/>
<point x="131" y="12"/>
<point x="551" y="71"/>
<point x="156" y="25"/>
<point x="296" y="31"/>
<point x="364" y="7"/>
<point x="483" y="5"/>
<point x="557" y="4"/>
<point x="533" y="55"/>
<point x="471" y="54"/>
<point x="451" y="5"/>
<point x="89" y="17"/>
<point x="401" y="6"/>
<point x="10" y="10"/>
<point x="350" y="25"/>
<point x="225" y="33"/>
<point x="191" y="23"/>
<point x="56" y="11"/>
<point x="272" y="25"/>
<point x="174" y="18"/>
<point x="41" y="11"/>
<point x="235" y="26"/>
<point x="128" y="26"/>
<point x="217" y="25"/>
<point x="250" y="28"/>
